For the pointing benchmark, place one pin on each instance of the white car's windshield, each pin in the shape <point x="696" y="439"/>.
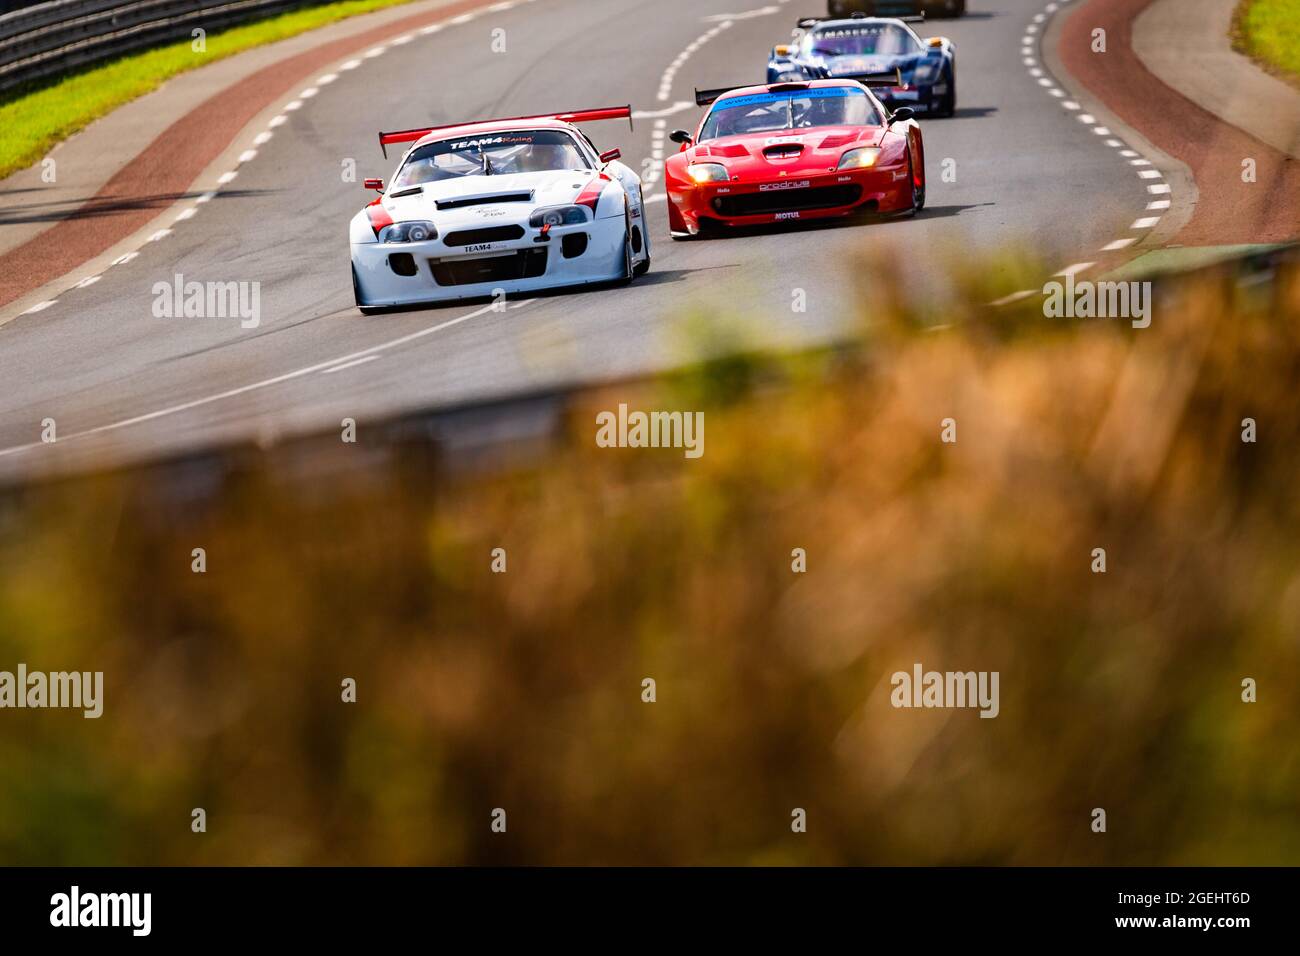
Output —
<point x="800" y="109"/>
<point x="515" y="151"/>
<point x="874" y="39"/>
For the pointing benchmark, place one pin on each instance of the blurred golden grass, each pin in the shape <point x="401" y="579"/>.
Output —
<point x="522" y="690"/>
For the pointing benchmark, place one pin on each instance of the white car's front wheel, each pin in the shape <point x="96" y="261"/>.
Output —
<point x="643" y="232"/>
<point x="356" y="296"/>
<point x="629" y="262"/>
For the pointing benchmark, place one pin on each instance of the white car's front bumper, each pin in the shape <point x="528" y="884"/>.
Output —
<point x="438" y="271"/>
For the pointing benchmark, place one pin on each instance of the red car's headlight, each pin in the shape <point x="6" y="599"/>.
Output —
<point x="863" y="157"/>
<point x="707" y="172"/>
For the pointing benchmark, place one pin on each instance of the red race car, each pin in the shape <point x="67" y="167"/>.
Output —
<point x="813" y="149"/>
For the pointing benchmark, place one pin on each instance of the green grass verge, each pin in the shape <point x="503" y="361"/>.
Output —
<point x="34" y="121"/>
<point x="1268" y="31"/>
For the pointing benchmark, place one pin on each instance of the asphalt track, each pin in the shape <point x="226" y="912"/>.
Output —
<point x="124" y="385"/>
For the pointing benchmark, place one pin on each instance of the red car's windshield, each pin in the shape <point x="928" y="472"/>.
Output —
<point x="796" y="109"/>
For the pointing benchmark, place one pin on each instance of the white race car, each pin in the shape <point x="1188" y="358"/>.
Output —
<point x="508" y="205"/>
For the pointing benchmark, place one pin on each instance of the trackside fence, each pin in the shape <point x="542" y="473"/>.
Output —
<point x="59" y="36"/>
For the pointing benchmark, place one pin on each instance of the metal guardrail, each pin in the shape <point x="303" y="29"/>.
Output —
<point x="64" y="35"/>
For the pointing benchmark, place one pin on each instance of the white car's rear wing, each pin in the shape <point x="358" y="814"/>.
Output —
<point x="573" y="116"/>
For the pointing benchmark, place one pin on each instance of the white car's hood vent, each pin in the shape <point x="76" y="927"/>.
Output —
<point x="483" y="199"/>
<point x="508" y="191"/>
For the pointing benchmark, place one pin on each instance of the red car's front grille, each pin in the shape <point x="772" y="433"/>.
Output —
<point x="787" y="200"/>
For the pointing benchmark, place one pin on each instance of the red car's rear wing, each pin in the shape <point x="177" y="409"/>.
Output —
<point x="573" y="116"/>
<point x="891" y="78"/>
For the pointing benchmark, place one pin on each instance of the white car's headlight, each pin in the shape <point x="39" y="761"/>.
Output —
<point x="707" y="172"/>
<point x="558" y="216"/>
<point x="864" y="157"/>
<point x="417" y="230"/>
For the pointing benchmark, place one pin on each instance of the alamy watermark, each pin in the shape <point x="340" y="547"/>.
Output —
<point x="1098" y="300"/>
<point x="946" y="689"/>
<point x="637" y="429"/>
<point x="75" y="908"/>
<point x="82" y="690"/>
<point x="180" y="299"/>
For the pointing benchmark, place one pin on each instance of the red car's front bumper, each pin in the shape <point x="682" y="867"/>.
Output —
<point x="694" y="207"/>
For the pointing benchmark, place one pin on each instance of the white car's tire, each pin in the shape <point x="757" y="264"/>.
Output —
<point x="629" y="260"/>
<point x="356" y="297"/>
<point x="642" y="267"/>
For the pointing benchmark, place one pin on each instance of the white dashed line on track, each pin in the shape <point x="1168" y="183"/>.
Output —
<point x="1030" y="55"/>
<point x="1014" y="297"/>
<point x="1074" y="270"/>
<point x="666" y="80"/>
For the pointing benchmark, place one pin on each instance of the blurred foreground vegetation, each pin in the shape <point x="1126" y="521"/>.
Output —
<point x="523" y="690"/>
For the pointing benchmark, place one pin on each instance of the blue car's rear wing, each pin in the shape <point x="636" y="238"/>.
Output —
<point x="806" y="22"/>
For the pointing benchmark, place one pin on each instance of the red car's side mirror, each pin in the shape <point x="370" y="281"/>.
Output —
<point x="609" y="155"/>
<point x="376" y="184"/>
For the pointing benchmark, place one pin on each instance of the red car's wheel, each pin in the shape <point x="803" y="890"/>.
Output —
<point x="916" y="168"/>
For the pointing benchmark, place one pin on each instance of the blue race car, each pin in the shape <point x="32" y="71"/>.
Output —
<point x="854" y="46"/>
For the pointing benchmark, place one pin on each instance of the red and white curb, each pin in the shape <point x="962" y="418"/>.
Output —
<point x="1158" y="190"/>
<point x="292" y="104"/>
